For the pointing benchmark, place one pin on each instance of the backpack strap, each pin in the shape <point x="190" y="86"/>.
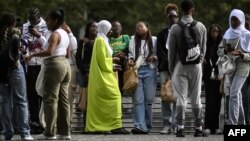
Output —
<point x="192" y="24"/>
<point x="180" y="23"/>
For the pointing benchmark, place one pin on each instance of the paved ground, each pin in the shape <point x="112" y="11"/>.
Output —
<point x="150" y="137"/>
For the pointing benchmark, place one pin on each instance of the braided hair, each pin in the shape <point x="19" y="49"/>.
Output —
<point x="34" y="16"/>
<point x="34" y="11"/>
<point x="148" y="40"/>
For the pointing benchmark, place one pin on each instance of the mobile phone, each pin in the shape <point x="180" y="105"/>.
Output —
<point x="31" y="27"/>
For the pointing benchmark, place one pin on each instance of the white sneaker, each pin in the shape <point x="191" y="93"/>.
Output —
<point x="218" y="131"/>
<point x="166" y="130"/>
<point x="28" y="138"/>
<point x="1" y="137"/>
<point x="63" y="137"/>
<point x="208" y="131"/>
<point x="43" y="137"/>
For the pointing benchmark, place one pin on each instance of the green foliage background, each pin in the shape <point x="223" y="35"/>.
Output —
<point x="128" y="12"/>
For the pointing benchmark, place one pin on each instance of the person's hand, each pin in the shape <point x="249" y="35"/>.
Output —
<point x="27" y="58"/>
<point x="151" y="59"/>
<point x="21" y="48"/>
<point x="229" y="48"/>
<point x="204" y="61"/>
<point x="131" y="62"/>
<point x="85" y="40"/>
<point x="66" y="28"/>
<point x="33" y="31"/>
<point x="117" y="67"/>
<point x="237" y="53"/>
<point x="121" y="54"/>
<point x="116" y="59"/>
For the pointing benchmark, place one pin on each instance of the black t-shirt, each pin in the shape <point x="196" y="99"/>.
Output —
<point x="8" y="56"/>
<point x="162" y="52"/>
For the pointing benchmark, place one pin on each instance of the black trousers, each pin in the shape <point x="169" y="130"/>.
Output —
<point x="213" y="104"/>
<point x="120" y="79"/>
<point x="34" y="100"/>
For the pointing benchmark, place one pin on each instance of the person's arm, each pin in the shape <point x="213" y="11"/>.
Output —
<point x="203" y="42"/>
<point x="72" y="43"/>
<point x="161" y="54"/>
<point x="153" y="57"/>
<point x="172" y="50"/>
<point x="131" y="52"/>
<point x="79" y="56"/>
<point x="105" y="63"/>
<point x="54" y="40"/>
<point x="221" y="48"/>
<point x="244" y="56"/>
<point x="40" y="37"/>
<point x="14" y="52"/>
<point x="42" y="40"/>
<point x="72" y="38"/>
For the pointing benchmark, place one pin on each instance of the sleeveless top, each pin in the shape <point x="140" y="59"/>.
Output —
<point x="61" y="49"/>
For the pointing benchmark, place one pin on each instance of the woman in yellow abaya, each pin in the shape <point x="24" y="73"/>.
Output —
<point x="104" y="98"/>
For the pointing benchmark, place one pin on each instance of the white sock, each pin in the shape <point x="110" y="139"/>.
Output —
<point x="199" y="128"/>
<point x="180" y="126"/>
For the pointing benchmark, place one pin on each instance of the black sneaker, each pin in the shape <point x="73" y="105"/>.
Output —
<point x="138" y="131"/>
<point x="119" y="131"/>
<point x="200" y="133"/>
<point x="180" y="133"/>
<point x="36" y="128"/>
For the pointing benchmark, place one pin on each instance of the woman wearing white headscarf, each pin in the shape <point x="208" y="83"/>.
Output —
<point x="104" y="98"/>
<point x="236" y="45"/>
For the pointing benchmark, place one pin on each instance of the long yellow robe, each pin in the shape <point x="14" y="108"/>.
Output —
<point x="104" y="98"/>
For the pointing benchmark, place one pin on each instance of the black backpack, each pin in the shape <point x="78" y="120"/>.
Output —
<point x="189" y="50"/>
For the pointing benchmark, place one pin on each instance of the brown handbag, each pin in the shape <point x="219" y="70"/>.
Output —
<point x="130" y="79"/>
<point x="82" y="105"/>
<point x="167" y="92"/>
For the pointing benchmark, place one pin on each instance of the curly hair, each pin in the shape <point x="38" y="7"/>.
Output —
<point x="171" y="6"/>
<point x="7" y="20"/>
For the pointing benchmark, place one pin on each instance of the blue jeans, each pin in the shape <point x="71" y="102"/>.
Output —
<point x="143" y="98"/>
<point x="236" y="111"/>
<point x="15" y="103"/>
<point x="168" y="112"/>
<point x="3" y="92"/>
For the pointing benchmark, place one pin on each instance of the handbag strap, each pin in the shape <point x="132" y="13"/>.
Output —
<point x="237" y="43"/>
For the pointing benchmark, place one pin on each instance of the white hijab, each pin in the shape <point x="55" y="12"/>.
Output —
<point x="240" y="32"/>
<point x="103" y="29"/>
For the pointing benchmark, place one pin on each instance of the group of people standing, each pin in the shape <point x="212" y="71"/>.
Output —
<point x="101" y="56"/>
<point x="44" y="46"/>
